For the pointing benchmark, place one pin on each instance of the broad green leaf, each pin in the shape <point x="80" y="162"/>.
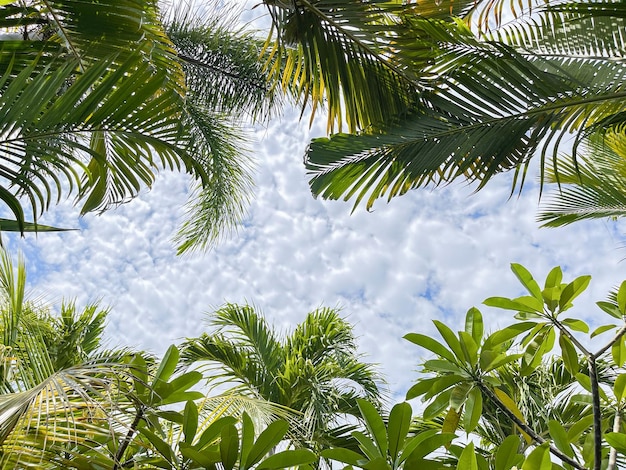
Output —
<point x="343" y="455"/>
<point x="580" y="426"/>
<point x="432" y="345"/>
<point x="506" y="455"/>
<point x="527" y="280"/>
<point x="473" y="410"/>
<point x="288" y="458"/>
<point x="168" y="365"/>
<point x="432" y="386"/>
<point x="560" y="438"/>
<point x="139" y="370"/>
<point x="179" y="384"/>
<point x="438" y="405"/>
<point x="535" y="306"/>
<point x="508" y="304"/>
<point x="619" y="387"/>
<point x="467" y="460"/>
<point x="500" y="360"/>
<point x="459" y="395"/>
<point x="621" y="298"/>
<point x="474" y="324"/>
<point x="206" y="459"/>
<point x="538" y="459"/>
<point x="554" y="278"/>
<point x="469" y="347"/>
<point x="375" y="425"/>
<point x="617" y="440"/>
<point x="618" y="352"/>
<point x="415" y="442"/>
<point x="450" y="338"/>
<point x="247" y="440"/>
<point x="588" y="450"/>
<point x="210" y="434"/>
<point x="269" y="438"/>
<point x="585" y="381"/>
<point x="451" y="421"/>
<point x="573" y="290"/>
<point x="190" y="421"/>
<point x="576" y="325"/>
<point x="552" y="297"/>
<point x="426" y="446"/>
<point x="159" y="444"/>
<point x="506" y="334"/>
<point x="178" y="397"/>
<point x="569" y="354"/>
<point x="539" y="346"/>
<point x="229" y="446"/>
<point x="602" y="329"/>
<point x="398" y="427"/>
<point x="611" y="309"/>
<point x="441" y="365"/>
<point x="367" y="445"/>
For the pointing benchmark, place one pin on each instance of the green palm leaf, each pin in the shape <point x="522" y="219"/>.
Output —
<point x="593" y="188"/>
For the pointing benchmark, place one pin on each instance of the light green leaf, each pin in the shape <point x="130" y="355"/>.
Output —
<point x="210" y="434"/>
<point x="500" y="360"/>
<point x="450" y="338"/>
<point x="229" y="446"/>
<point x="621" y="298"/>
<point x="438" y="405"/>
<point x="560" y="438"/>
<point x="554" y="278"/>
<point x="506" y="455"/>
<point x="459" y="395"/>
<point x="435" y="383"/>
<point x="527" y="281"/>
<point x="247" y="440"/>
<point x="268" y="439"/>
<point x="473" y="410"/>
<point x="617" y="440"/>
<point x="168" y="365"/>
<point x="343" y="455"/>
<point x="474" y="324"/>
<point x="288" y="458"/>
<point x="432" y="345"/>
<point x="190" y="421"/>
<point x="602" y="329"/>
<point x="375" y="425"/>
<point x="467" y="460"/>
<point x="539" y="459"/>
<point x="573" y="290"/>
<point x="580" y="426"/>
<point x="618" y="352"/>
<point x="469" y="347"/>
<point x="415" y="442"/>
<point x="576" y="325"/>
<point x="569" y="354"/>
<point x="437" y="365"/>
<point x="619" y="387"/>
<point x="399" y="423"/>
<point x="502" y="336"/>
<point x="611" y="309"/>
<point x="508" y="304"/>
<point x="584" y="380"/>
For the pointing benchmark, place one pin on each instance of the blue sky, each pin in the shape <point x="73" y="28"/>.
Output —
<point x="431" y="254"/>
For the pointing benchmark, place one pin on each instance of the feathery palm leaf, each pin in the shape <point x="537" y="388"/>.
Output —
<point x="593" y="188"/>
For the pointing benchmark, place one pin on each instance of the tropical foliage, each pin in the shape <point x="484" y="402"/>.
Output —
<point x="97" y="98"/>
<point x="435" y="91"/>
<point x="315" y="370"/>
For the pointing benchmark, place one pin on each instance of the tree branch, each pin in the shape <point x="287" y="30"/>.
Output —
<point x="527" y="429"/>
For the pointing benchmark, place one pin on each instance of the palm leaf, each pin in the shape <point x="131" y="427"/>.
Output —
<point x="593" y="188"/>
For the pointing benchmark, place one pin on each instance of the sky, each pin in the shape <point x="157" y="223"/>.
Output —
<point x="431" y="254"/>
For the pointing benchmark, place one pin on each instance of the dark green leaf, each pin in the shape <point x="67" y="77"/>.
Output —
<point x="229" y="446"/>
<point x="288" y="458"/>
<point x="430" y="344"/>
<point x="399" y="422"/>
<point x="269" y="438"/>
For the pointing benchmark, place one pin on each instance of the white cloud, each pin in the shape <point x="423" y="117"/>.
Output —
<point x="427" y="255"/>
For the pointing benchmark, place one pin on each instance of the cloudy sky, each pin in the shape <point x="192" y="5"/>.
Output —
<point x="427" y="255"/>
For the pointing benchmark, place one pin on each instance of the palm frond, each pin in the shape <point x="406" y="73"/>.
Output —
<point x="592" y="187"/>
<point x="217" y="205"/>
<point x="319" y="55"/>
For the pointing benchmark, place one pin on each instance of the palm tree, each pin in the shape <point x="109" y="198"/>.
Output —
<point x="96" y="99"/>
<point x="481" y="95"/>
<point x="314" y="370"/>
